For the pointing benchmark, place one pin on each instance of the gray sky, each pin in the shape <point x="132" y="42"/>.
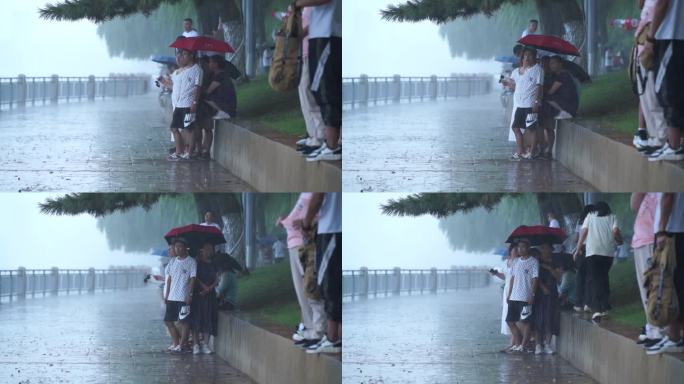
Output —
<point x="375" y="47"/>
<point x="377" y="241"/>
<point x="34" y="240"/>
<point x="37" y="47"/>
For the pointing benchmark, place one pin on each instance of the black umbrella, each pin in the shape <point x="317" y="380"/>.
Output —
<point x="225" y="261"/>
<point x="576" y="71"/>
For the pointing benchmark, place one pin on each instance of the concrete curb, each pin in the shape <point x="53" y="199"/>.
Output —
<point x="269" y="358"/>
<point x="609" y="357"/>
<point x="610" y="165"/>
<point x="270" y="166"/>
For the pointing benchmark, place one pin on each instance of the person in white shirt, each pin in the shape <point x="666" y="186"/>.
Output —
<point x="185" y="86"/>
<point x="180" y="282"/>
<point x="601" y="236"/>
<point x="527" y="82"/>
<point x="531" y="28"/>
<point x="209" y="220"/>
<point x="188" y="30"/>
<point x="522" y="286"/>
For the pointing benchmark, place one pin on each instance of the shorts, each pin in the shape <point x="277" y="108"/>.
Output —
<point x="331" y="287"/>
<point x="671" y="91"/>
<point x="514" y="310"/>
<point x="179" y="117"/>
<point x="520" y="117"/>
<point x="327" y="88"/>
<point x="679" y="272"/>
<point x="172" y="310"/>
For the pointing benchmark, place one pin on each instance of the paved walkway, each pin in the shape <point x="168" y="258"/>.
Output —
<point x="113" y="145"/>
<point x="442" y="338"/>
<point x="112" y="337"/>
<point x="457" y="145"/>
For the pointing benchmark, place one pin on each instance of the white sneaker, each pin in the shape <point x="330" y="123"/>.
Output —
<point x="577" y="309"/>
<point x="196" y="349"/>
<point x="220" y="115"/>
<point x="298" y="336"/>
<point x="316" y="151"/>
<point x="548" y="350"/>
<point x="538" y="349"/>
<point x="171" y="347"/>
<point x="327" y="154"/>
<point x="185" y="156"/>
<point x="205" y="349"/>
<point x="587" y="309"/>
<point x="562" y="115"/>
<point x="526" y="156"/>
<point x="517" y="349"/>
<point x="302" y="141"/>
<point x="666" y="345"/>
<point x="659" y="151"/>
<point x="177" y="348"/>
<point x="326" y="346"/>
<point x="596" y="315"/>
<point x="670" y="155"/>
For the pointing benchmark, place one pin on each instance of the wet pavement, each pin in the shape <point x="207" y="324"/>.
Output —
<point x="113" y="337"/>
<point x="440" y="338"/>
<point x="113" y="145"/>
<point x="457" y="145"/>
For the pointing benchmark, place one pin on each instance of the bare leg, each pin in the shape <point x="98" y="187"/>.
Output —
<point x="519" y="140"/>
<point x="207" y="140"/>
<point x="334" y="329"/>
<point x="178" y="139"/>
<point x="173" y="331"/>
<point x="332" y="137"/>
<point x="526" y="333"/>
<point x="185" y="330"/>
<point x="675" y="137"/>
<point x="515" y="332"/>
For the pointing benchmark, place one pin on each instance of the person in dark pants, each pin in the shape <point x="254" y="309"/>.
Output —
<point x="602" y="235"/>
<point x="581" y="276"/>
<point x="204" y="307"/>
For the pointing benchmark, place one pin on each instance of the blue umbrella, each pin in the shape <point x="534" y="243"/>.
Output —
<point x="164" y="252"/>
<point x="162" y="59"/>
<point x="507" y="59"/>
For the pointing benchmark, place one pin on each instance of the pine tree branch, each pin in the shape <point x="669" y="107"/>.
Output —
<point x="442" y="205"/>
<point x="442" y="11"/>
<point x="99" y="10"/>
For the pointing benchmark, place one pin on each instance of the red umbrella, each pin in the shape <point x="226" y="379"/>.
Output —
<point x="196" y="235"/>
<point x="550" y="43"/>
<point x="202" y="43"/>
<point x="537" y="235"/>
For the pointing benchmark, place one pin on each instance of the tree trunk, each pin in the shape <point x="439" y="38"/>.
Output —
<point x="562" y="18"/>
<point x="208" y="13"/>
<point x="564" y="206"/>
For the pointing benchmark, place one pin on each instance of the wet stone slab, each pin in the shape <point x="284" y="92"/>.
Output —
<point x="111" y="337"/>
<point x="449" y="337"/>
<point x="456" y="145"/>
<point x="113" y="145"/>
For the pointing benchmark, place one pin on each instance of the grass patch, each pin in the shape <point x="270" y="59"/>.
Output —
<point x="268" y="291"/>
<point x="279" y="111"/>
<point x="609" y="101"/>
<point x="624" y="295"/>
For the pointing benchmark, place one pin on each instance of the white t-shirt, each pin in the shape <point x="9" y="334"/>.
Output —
<point x="523" y="271"/>
<point x="326" y="20"/>
<point x="527" y="32"/>
<point x="554" y="224"/>
<point x="192" y="33"/>
<point x="181" y="271"/>
<point x="184" y="82"/>
<point x="525" y="86"/>
<point x="600" y="240"/>
<point x="672" y="27"/>
<point x="330" y="219"/>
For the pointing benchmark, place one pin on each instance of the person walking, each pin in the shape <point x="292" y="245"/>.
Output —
<point x="602" y="235"/>
<point x="579" y="255"/>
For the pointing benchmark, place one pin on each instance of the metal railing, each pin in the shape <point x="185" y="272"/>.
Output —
<point x="385" y="282"/>
<point x="20" y="91"/>
<point x="22" y="283"/>
<point x="364" y="90"/>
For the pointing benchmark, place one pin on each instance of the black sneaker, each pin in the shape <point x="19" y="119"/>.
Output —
<point x="650" y="342"/>
<point x="307" y="150"/>
<point x="306" y="343"/>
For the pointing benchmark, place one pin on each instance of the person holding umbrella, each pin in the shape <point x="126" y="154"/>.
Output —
<point x="185" y="86"/>
<point x="520" y="298"/>
<point x="545" y="312"/>
<point x="527" y="82"/>
<point x="180" y="280"/>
